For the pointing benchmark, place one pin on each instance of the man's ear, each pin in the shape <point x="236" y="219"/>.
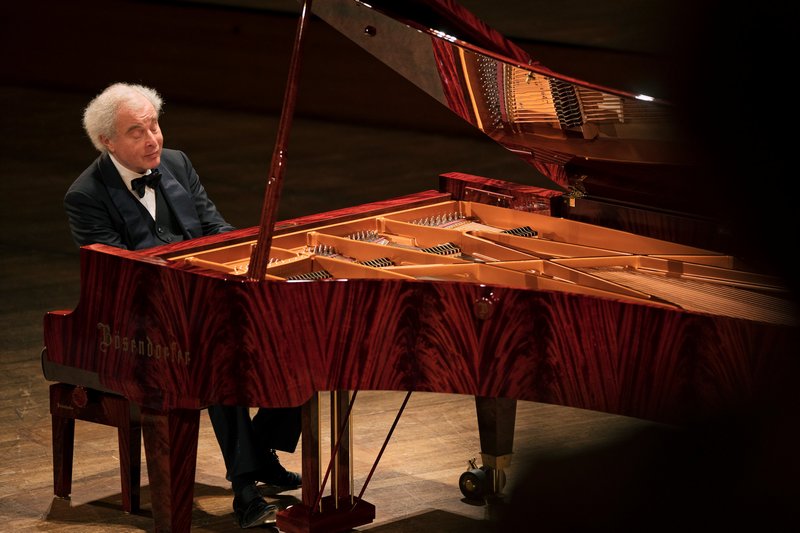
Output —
<point x="106" y="142"/>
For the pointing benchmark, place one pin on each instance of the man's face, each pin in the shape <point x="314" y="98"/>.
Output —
<point x="137" y="141"/>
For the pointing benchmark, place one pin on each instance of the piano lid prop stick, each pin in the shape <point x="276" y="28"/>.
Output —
<point x="380" y="453"/>
<point x="260" y="254"/>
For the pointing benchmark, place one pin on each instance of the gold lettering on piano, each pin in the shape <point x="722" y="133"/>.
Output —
<point x="108" y="340"/>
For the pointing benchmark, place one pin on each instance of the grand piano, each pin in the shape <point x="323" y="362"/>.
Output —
<point x="482" y="287"/>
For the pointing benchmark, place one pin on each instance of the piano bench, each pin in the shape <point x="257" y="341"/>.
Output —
<point x="69" y="403"/>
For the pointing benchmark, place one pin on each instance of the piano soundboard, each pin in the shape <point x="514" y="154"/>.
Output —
<point x="484" y="244"/>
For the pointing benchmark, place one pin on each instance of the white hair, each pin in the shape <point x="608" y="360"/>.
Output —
<point x="99" y="117"/>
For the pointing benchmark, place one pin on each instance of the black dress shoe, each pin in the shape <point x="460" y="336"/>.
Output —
<point x="252" y="510"/>
<point x="277" y="476"/>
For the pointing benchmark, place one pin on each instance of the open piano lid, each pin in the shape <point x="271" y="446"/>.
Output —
<point x="581" y="136"/>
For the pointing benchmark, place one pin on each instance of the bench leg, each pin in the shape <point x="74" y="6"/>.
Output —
<point x="63" y="438"/>
<point x="69" y="403"/>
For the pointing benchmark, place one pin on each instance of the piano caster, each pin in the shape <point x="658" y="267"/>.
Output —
<point x="480" y="483"/>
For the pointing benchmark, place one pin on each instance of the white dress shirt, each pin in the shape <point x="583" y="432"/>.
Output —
<point x="149" y="198"/>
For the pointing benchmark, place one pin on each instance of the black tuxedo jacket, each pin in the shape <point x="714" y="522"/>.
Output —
<point x="101" y="209"/>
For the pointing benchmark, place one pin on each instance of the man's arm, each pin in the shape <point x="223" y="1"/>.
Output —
<point x="89" y="220"/>
<point x="211" y="220"/>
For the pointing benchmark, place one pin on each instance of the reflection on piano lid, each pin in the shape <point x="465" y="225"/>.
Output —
<point x="547" y="119"/>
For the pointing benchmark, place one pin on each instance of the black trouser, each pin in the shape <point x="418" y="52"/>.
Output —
<point x="246" y="443"/>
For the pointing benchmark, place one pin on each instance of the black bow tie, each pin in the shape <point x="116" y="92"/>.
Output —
<point x="150" y="180"/>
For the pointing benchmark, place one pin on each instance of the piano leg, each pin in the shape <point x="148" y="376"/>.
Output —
<point x="496" y="421"/>
<point x="170" y="445"/>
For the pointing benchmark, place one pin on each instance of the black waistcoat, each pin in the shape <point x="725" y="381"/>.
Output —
<point x="165" y="227"/>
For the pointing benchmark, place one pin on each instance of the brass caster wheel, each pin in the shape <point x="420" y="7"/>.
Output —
<point x="473" y="483"/>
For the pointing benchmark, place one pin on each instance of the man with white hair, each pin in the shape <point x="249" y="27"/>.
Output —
<point x="138" y="194"/>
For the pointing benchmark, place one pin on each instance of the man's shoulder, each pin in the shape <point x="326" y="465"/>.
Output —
<point x="174" y="157"/>
<point x="89" y="179"/>
<point x="177" y="163"/>
<point x="172" y="153"/>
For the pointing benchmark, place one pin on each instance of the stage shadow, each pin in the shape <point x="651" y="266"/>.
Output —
<point x="435" y="520"/>
<point x="108" y="511"/>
